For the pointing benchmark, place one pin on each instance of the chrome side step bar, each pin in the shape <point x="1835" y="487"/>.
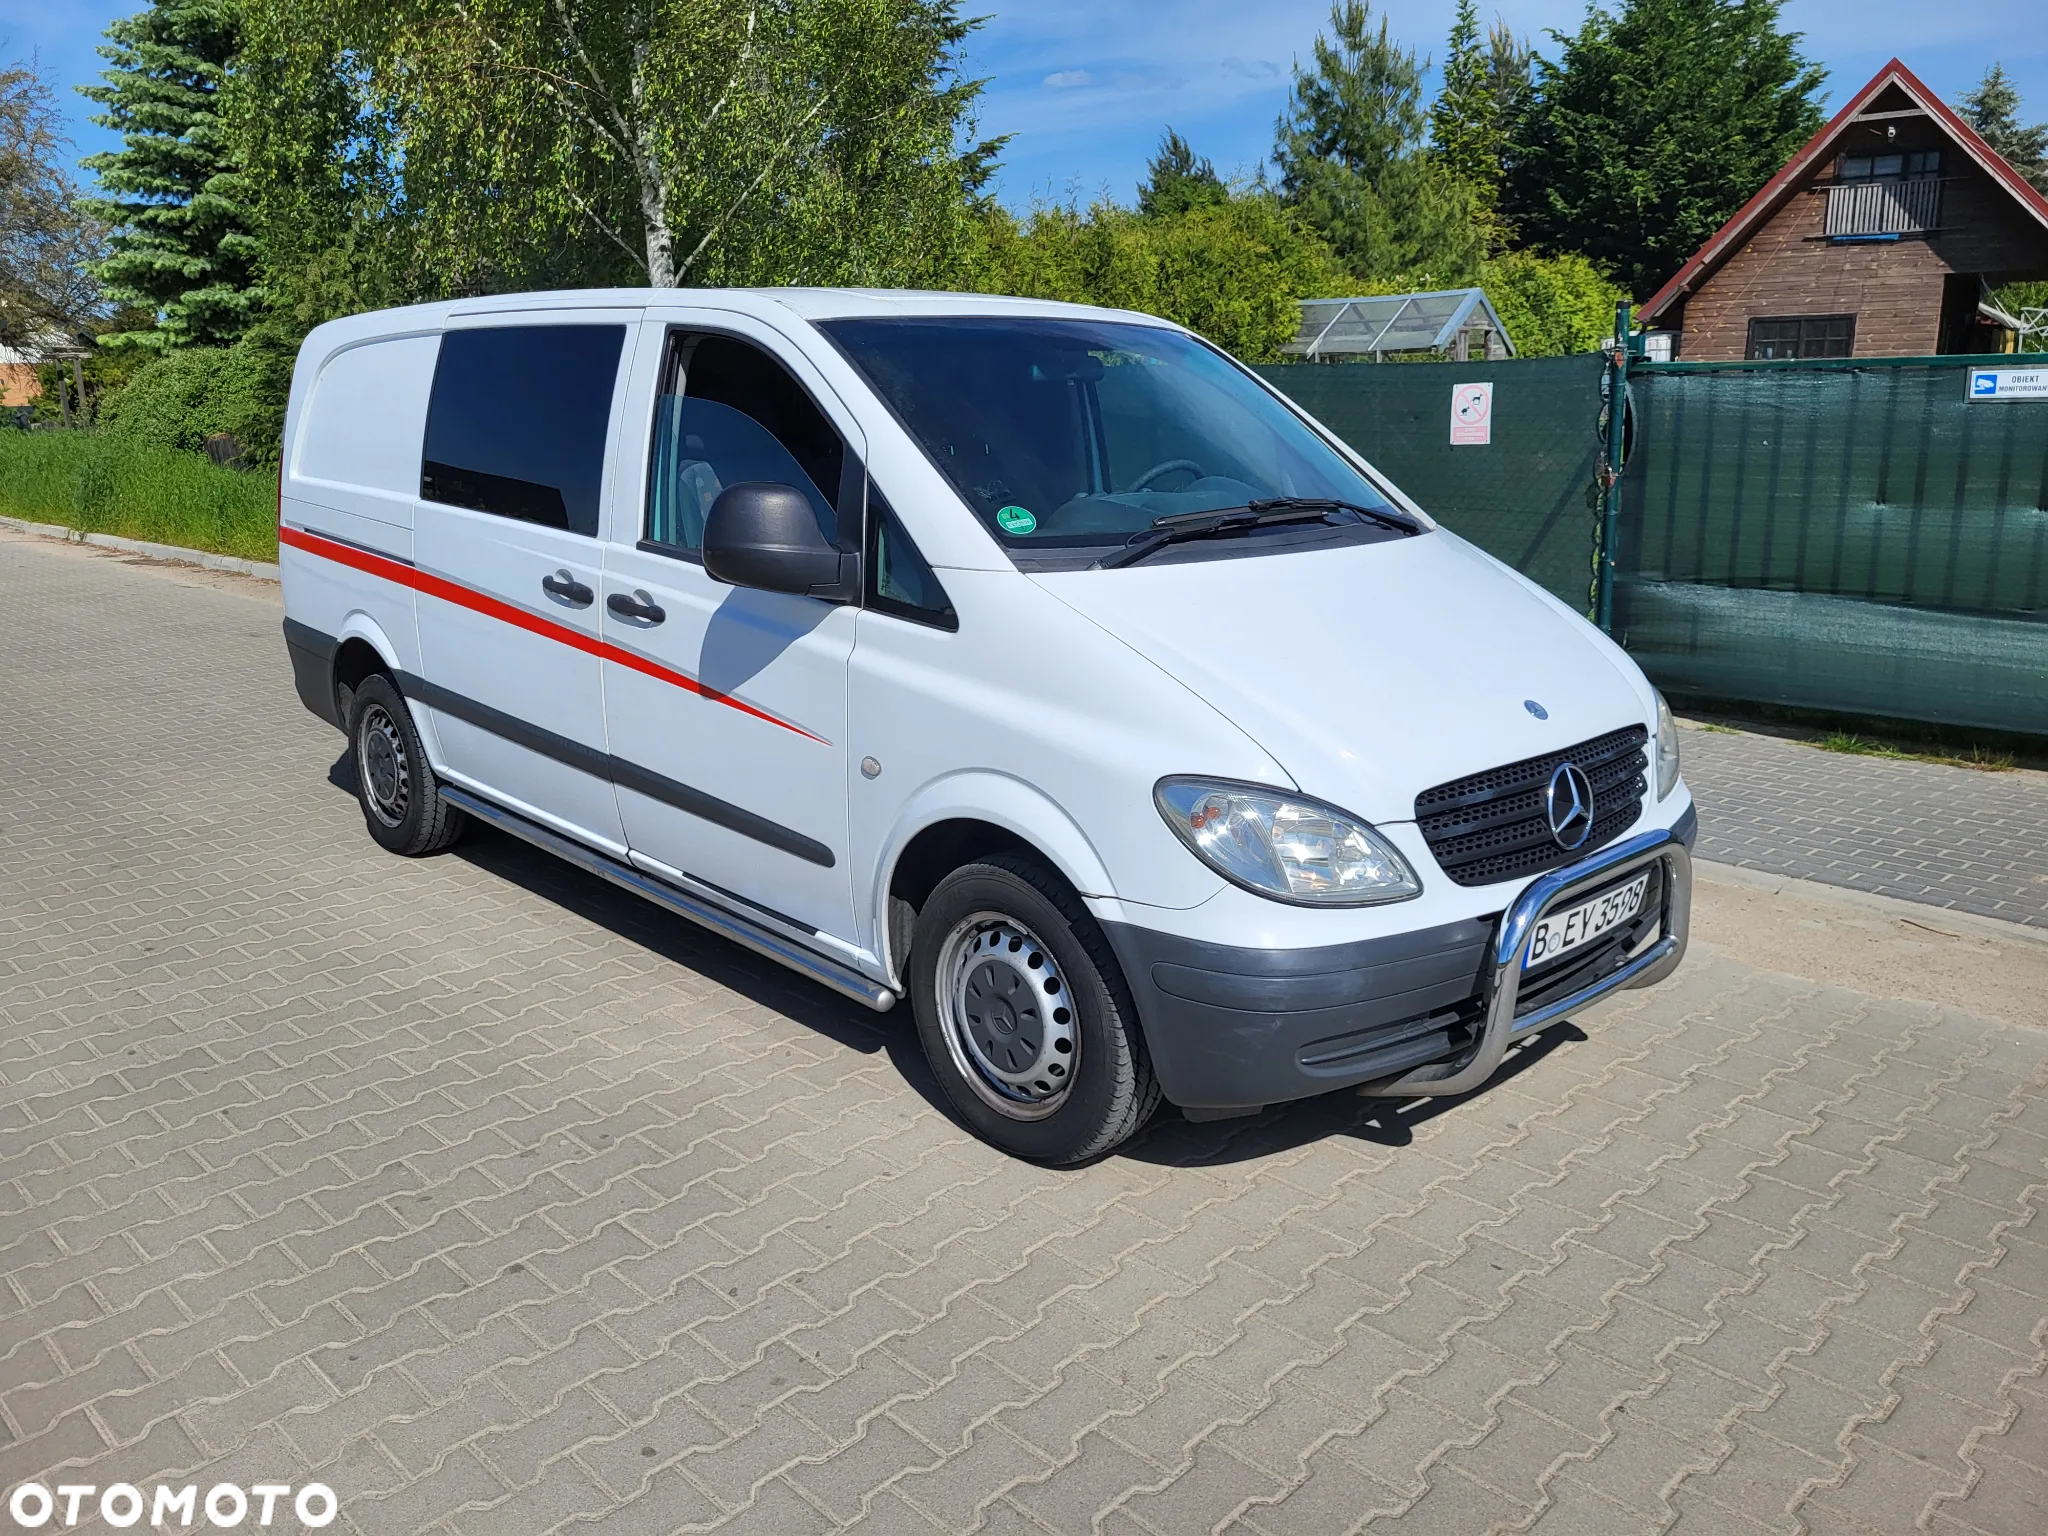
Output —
<point x="1511" y="942"/>
<point x="720" y="920"/>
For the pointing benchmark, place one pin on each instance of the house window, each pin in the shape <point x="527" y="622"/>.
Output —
<point x="1803" y="336"/>
<point x="1921" y="162"/>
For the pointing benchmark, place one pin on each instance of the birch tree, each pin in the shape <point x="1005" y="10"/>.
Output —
<point x="47" y="246"/>
<point x="660" y="142"/>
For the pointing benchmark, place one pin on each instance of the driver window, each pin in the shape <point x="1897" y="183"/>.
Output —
<point x="728" y="412"/>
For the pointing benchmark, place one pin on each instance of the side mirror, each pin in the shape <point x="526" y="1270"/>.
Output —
<point x="760" y="534"/>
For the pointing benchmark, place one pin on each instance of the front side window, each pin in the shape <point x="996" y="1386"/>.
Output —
<point x="899" y="582"/>
<point x="1802" y="336"/>
<point x="728" y="412"/>
<point x="516" y="422"/>
<point x="1072" y="435"/>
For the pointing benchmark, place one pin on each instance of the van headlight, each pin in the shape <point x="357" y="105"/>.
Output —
<point x="1283" y="846"/>
<point x="1667" y="749"/>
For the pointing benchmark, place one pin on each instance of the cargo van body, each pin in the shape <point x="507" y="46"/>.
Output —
<point x="1032" y="661"/>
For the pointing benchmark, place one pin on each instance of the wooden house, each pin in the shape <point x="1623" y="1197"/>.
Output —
<point x="1883" y="237"/>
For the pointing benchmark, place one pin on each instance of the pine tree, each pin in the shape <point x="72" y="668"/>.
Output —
<point x="182" y="249"/>
<point x="1352" y="158"/>
<point x="1654" y="127"/>
<point x="1483" y="86"/>
<point x="1176" y="181"/>
<point x="1462" y="121"/>
<point x="1993" y="109"/>
<point x="1510" y="63"/>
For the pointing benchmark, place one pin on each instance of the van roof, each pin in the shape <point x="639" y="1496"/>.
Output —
<point x="809" y="303"/>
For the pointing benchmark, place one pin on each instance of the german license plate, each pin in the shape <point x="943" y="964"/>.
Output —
<point x="1559" y="933"/>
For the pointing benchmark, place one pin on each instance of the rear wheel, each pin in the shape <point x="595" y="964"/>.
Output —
<point x="1025" y="1016"/>
<point x="400" y="796"/>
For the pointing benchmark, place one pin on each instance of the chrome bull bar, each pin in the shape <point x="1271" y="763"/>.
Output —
<point x="1511" y="943"/>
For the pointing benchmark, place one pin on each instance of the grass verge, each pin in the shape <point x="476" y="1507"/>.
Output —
<point x="1863" y="746"/>
<point x="100" y="484"/>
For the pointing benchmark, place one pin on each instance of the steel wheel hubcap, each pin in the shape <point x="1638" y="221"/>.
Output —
<point x="381" y="760"/>
<point x="1007" y="1016"/>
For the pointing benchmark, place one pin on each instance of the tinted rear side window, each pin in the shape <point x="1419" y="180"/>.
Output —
<point x="516" y="423"/>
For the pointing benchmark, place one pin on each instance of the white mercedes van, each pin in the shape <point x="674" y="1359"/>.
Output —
<point x="1035" y="662"/>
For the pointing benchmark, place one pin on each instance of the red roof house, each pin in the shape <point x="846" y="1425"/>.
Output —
<point x="1881" y="238"/>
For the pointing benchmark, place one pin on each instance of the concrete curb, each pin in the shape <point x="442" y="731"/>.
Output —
<point x="1920" y="914"/>
<point x="261" y="570"/>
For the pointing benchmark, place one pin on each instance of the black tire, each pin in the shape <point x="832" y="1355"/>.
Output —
<point x="400" y="797"/>
<point x="965" y="930"/>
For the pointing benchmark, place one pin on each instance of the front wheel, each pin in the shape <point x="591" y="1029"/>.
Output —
<point x="1024" y="1014"/>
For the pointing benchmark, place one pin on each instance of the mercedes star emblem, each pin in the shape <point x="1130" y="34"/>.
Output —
<point x="1569" y="802"/>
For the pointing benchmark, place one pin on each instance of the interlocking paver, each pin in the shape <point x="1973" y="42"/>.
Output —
<point x="497" y="1201"/>
<point x="1871" y="823"/>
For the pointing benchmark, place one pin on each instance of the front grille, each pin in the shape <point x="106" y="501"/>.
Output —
<point x="1492" y="826"/>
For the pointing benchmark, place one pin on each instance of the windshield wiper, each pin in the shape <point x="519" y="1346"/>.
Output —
<point x="1180" y="527"/>
<point x="1386" y="517"/>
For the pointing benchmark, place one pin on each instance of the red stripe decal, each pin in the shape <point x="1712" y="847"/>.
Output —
<point x="491" y="607"/>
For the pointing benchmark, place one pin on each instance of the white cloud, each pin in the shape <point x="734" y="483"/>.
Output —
<point x="1068" y="79"/>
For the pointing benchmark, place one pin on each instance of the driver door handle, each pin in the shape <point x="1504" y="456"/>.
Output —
<point x="639" y="606"/>
<point x="568" y="589"/>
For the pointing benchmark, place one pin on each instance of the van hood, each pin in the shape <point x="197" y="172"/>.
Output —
<point x="1373" y="672"/>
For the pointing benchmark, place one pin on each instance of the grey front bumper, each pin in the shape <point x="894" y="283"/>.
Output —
<point x="1560" y="888"/>
<point x="1423" y="1013"/>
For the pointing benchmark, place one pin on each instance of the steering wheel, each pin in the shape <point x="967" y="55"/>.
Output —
<point x="1165" y="467"/>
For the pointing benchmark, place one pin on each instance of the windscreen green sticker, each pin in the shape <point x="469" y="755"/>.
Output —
<point x="1016" y="520"/>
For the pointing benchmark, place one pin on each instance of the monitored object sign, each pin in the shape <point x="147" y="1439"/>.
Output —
<point x="1471" y="414"/>
<point x="1997" y="384"/>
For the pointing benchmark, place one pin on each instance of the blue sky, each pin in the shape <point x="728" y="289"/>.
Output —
<point x="1086" y="86"/>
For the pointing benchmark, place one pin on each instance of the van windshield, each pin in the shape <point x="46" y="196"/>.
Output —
<point x="1080" y="433"/>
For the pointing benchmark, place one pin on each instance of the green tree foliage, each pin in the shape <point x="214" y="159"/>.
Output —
<point x="1654" y="127"/>
<point x="1230" y="270"/>
<point x="1551" y="305"/>
<point x="447" y="146"/>
<point x="1993" y="109"/>
<point x="1510" y="67"/>
<point x="324" y="153"/>
<point x="1483" y="83"/>
<point x="182" y="251"/>
<point x="1177" y="181"/>
<point x="46" y="247"/>
<point x="1352" y="158"/>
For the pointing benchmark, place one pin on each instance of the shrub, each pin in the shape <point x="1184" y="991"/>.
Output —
<point x="189" y="394"/>
<point x="100" y="483"/>
<point x="1551" y="305"/>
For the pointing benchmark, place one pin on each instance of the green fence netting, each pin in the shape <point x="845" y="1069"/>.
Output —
<point x="1854" y="537"/>
<point x="1525" y="497"/>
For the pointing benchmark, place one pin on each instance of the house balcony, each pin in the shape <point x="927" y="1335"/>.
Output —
<point x="1883" y="209"/>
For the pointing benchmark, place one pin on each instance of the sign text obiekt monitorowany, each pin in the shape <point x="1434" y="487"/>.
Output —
<point x="2009" y="383"/>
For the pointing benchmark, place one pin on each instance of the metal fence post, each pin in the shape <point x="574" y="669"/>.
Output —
<point x="1610" y="463"/>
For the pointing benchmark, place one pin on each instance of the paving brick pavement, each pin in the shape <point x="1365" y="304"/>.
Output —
<point x="501" y="1203"/>
<point x="1927" y="832"/>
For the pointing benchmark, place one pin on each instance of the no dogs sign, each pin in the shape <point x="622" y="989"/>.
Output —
<point x="1471" y="414"/>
